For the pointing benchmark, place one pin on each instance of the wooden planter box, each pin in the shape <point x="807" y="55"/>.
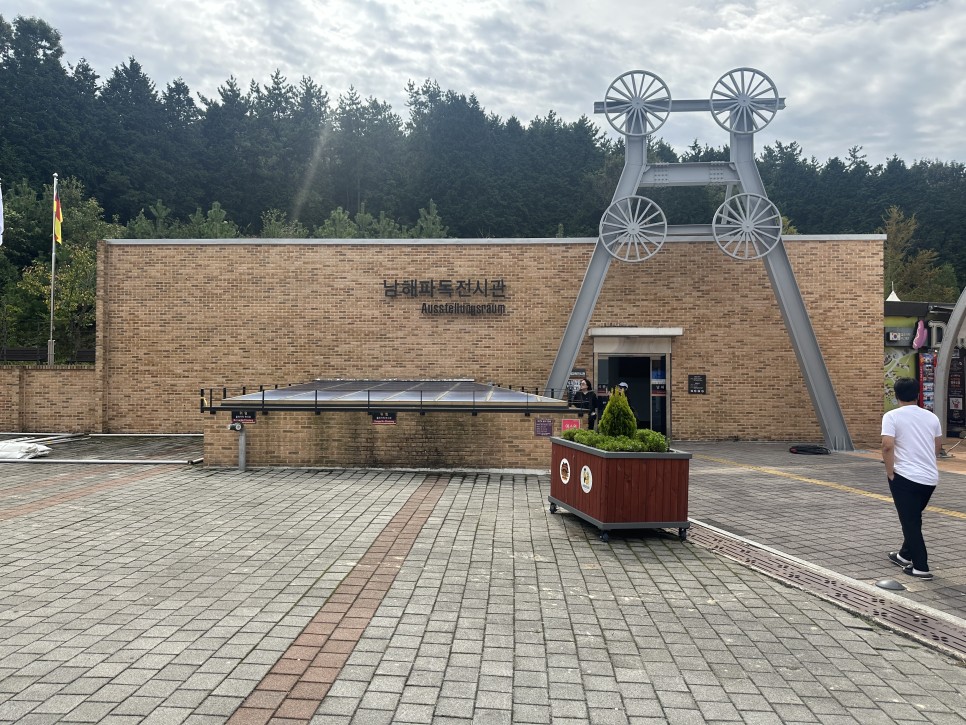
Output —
<point x="620" y="490"/>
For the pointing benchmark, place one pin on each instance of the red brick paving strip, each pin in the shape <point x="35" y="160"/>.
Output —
<point x="29" y="508"/>
<point x="295" y="687"/>
<point x="53" y="480"/>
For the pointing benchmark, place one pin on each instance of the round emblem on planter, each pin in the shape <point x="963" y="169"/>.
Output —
<point x="586" y="479"/>
<point x="564" y="471"/>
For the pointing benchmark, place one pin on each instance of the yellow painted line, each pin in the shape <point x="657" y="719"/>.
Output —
<point x="826" y="484"/>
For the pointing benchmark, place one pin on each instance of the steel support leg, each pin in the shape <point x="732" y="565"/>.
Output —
<point x="793" y="311"/>
<point x="635" y="163"/>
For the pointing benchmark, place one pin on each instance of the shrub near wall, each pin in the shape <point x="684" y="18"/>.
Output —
<point x="435" y="440"/>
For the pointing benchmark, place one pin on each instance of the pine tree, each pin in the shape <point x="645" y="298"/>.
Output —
<point x="618" y="419"/>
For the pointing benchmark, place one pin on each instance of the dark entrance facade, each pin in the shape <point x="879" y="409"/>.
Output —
<point x="640" y="357"/>
<point x="647" y="385"/>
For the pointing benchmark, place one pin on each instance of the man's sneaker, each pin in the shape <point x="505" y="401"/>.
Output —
<point x="898" y="560"/>
<point x="912" y="571"/>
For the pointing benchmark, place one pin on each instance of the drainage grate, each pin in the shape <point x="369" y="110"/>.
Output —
<point x="947" y="635"/>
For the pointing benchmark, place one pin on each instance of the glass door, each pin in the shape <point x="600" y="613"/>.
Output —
<point x="659" y="393"/>
<point x="647" y="385"/>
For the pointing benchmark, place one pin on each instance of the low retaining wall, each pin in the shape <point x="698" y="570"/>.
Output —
<point x="435" y="440"/>
<point x="43" y="399"/>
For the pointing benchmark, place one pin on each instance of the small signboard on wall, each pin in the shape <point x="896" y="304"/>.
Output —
<point x="243" y="416"/>
<point x="899" y="336"/>
<point x="698" y="384"/>
<point x="568" y="423"/>
<point x="384" y="418"/>
<point x="543" y="427"/>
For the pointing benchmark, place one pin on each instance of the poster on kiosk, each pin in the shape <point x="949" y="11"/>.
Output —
<point x="955" y="419"/>
<point x="927" y="380"/>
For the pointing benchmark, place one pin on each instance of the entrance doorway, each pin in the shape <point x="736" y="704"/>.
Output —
<point x="640" y="357"/>
<point x="646" y="377"/>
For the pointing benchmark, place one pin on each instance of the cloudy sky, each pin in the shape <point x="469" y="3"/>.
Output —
<point x="887" y="76"/>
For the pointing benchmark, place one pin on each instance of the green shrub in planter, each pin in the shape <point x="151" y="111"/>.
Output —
<point x="653" y="441"/>
<point x="618" y="418"/>
<point x="585" y="437"/>
<point x="644" y="440"/>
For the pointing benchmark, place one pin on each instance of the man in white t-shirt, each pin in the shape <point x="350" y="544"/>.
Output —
<point x="912" y="437"/>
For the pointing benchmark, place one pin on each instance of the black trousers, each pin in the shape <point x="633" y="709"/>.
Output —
<point x="911" y="499"/>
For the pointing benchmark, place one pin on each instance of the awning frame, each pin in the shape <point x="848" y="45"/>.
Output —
<point x="265" y="399"/>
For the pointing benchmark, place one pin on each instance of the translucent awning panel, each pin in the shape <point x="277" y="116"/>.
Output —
<point x="394" y="395"/>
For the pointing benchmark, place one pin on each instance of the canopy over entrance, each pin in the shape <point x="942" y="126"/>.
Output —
<point x="422" y="396"/>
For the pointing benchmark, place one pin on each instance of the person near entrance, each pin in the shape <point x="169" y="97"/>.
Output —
<point x="912" y="438"/>
<point x="586" y="399"/>
<point x="624" y="388"/>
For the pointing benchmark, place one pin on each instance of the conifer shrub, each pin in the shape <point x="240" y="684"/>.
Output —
<point x="618" y="431"/>
<point x="618" y="418"/>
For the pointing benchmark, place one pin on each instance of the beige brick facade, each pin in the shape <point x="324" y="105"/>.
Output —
<point x="47" y="399"/>
<point x="435" y="440"/>
<point x="174" y="318"/>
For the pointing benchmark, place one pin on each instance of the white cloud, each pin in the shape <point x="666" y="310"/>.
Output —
<point x="889" y="76"/>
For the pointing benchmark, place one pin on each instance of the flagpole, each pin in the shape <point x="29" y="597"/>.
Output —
<point x="53" y="266"/>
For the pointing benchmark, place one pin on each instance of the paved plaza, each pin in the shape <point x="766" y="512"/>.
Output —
<point x="173" y="593"/>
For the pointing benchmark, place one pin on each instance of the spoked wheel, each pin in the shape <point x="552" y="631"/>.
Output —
<point x="747" y="226"/>
<point x="637" y="103"/>
<point x="744" y="100"/>
<point x="633" y="229"/>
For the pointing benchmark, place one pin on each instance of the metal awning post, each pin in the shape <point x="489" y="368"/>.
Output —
<point x="241" y="447"/>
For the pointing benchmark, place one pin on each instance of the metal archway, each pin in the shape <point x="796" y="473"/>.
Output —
<point x="950" y="337"/>
<point x="743" y="101"/>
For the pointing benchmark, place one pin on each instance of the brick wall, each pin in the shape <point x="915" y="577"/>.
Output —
<point x="10" y="398"/>
<point x="176" y="318"/>
<point x="47" y="399"/>
<point x="435" y="440"/>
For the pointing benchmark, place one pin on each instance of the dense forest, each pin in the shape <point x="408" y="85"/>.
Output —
<point x="284" y="160"/>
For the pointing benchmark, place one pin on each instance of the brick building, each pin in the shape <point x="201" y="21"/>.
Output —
<point x="178" y="316"/>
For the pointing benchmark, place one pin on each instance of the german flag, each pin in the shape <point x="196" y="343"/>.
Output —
<point x="58" y="218"/>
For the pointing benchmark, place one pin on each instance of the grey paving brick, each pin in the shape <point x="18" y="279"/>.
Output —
<point x="13" y="710"/>
<point x="372" y="717"/>
<point x="523" y="713"/>
<point x="412" y="713"/>
<point x="90" y="712"/>
<point x="501" y="612"/>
